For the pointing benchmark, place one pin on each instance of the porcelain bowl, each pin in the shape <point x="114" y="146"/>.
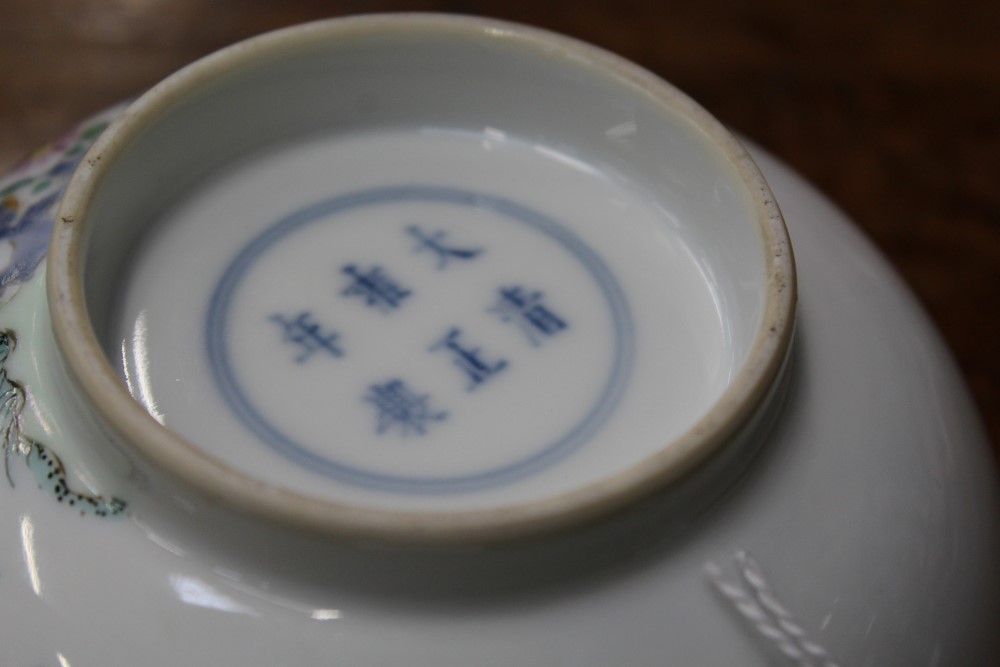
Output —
<point x="306" y="292"/>
<point x="420" y="278"/>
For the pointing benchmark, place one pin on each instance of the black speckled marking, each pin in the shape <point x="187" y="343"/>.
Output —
<point x="43" y="462"/>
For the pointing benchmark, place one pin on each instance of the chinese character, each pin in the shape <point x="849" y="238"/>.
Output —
<point x="308" y="336"/>
<point x="433" y="243"/>
<point x="397" y="405"/>
<point x="468" y="360"/>
<point x="375" y="287"/>
<point x="526" y="310"/>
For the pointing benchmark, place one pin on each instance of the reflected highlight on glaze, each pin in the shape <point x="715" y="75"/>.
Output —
<point x="137" y="372"/>
<point x="28" y="547"/>
<point x="198" y="593"/>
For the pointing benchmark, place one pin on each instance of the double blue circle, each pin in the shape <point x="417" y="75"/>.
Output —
<point x="217" y="333"/>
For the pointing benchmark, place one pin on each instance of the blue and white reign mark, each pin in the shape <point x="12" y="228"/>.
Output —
<point x="375" y="288"/>
<point x="439" y="336"/>
<point x="526" y="310"/>
<point x="401" y="408"/>
<point x="434" y="243"/>
<point x="468" y="359"/>
<point x="306" y="335"/>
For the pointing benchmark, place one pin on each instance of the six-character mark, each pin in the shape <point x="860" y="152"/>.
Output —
<point x="398" y="408"/>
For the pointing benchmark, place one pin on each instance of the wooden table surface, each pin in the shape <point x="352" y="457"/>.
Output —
<point x="890" y="108"/>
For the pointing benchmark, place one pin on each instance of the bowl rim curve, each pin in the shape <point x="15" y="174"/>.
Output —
<point x="215" y="480"/>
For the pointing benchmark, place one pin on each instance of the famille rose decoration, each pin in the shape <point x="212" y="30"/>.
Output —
<point x="29" y="197"/>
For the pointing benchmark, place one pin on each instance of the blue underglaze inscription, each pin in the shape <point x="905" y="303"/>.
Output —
<point x="476" y="370"/>
<point x="400" y="407"/>
<point x="375" y="287"/>
<point x="397" y="405"/>
<point x="434" y="243"/>
<point x="304" y="333"/>
<point x="525" y="309"/>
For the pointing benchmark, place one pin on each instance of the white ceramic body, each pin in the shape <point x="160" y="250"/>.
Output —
<point x="872" y="509"/>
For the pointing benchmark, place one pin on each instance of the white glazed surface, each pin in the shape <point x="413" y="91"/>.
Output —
<point x="677" y="350"/>
<point x="871" y="510"/>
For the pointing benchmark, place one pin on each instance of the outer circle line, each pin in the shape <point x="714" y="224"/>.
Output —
<point x="216" y="330"/>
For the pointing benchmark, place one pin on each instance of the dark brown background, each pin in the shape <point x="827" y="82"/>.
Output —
<point x="891" y="109"/>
